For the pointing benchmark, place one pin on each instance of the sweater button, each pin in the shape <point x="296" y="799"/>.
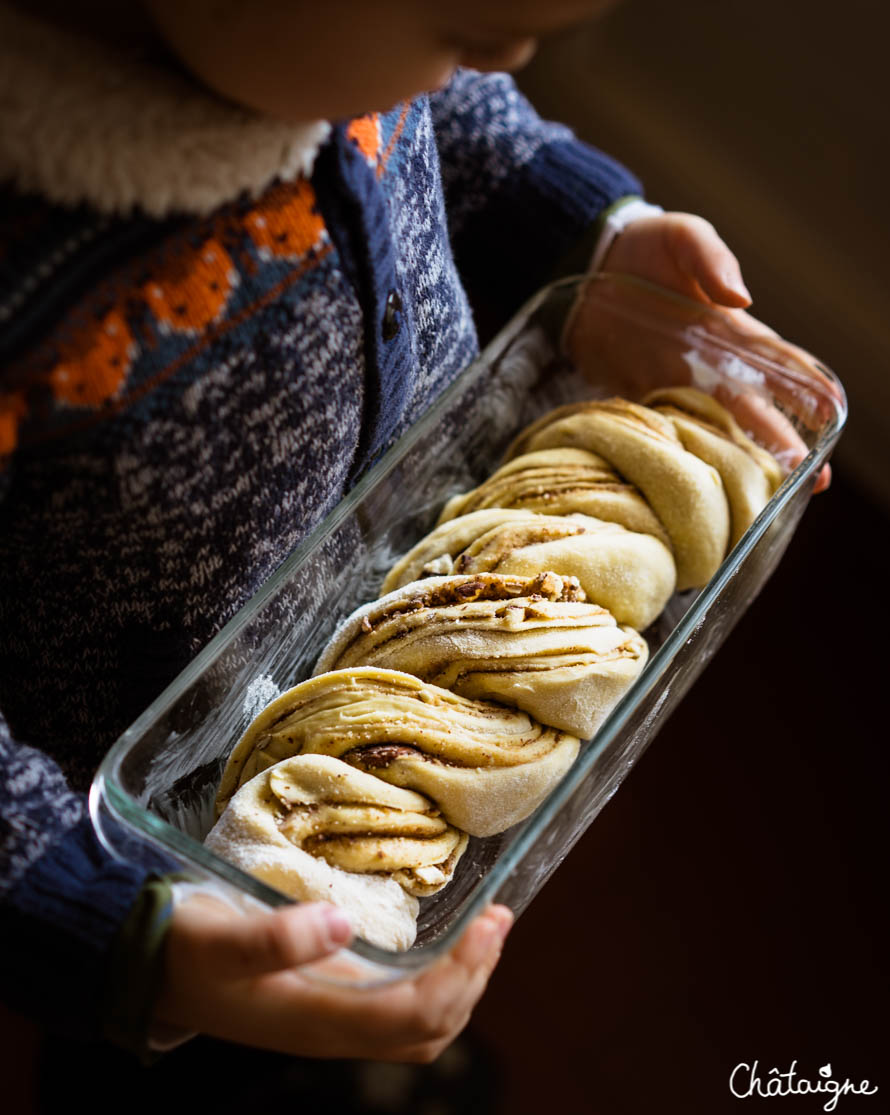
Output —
<point x="391" y="316"/>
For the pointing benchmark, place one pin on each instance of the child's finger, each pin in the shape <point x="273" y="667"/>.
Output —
<point x="451" y="989"/>
<point x="767" y="343"/>
<point x="243" y="947"/>
<point x="772" y="429"/>
<point x="701" y="254"/>
<point x="823" y="480"/>
<point x="479" y="947"/>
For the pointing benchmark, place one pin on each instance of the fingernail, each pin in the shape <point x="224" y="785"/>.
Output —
<point x="733" y="281"/>
<point x="505" y="924"/>
<point x="337" y="925"/>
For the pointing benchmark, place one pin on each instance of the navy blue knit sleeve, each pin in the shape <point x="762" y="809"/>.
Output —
<point x="519" y="191"/>
<point x="63" y="898"/>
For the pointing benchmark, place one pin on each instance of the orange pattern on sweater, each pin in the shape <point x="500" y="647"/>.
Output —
<point x="286" y="221"/>
<point x="93" y="365"/>
<point x="365" y="132"/>
<point x="194" y="287"/>
<point x="12" y="410"/>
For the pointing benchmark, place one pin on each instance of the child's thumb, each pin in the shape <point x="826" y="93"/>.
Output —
<point x="256" y="945"/>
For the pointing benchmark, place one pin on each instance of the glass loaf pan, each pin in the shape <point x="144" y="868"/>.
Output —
<point x="159" y="781"/>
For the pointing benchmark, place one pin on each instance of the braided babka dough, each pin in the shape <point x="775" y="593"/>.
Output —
<point x="630" y="574"/>
<point x="561" y="482"/>
<point x="485" y="766"/>
<point x="360" y="785"/>
<point x="643" y="446"/>
<point x="750" y="474"/>
<point x="532" y="643"/>
<point x="320" y="830"/>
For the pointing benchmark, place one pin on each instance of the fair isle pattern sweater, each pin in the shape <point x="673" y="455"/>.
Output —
<point x="183" y="398"/>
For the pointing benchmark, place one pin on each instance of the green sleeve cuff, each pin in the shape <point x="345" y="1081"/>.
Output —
<point x="577" y="260"/>
<point x="552" y="316"/>
<point x="136" y="968"/>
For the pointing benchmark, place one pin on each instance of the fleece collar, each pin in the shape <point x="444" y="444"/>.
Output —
<point x="83" y="122"/>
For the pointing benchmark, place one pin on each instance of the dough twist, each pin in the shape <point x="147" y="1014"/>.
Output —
<point x="643" y="446"/>
<point x="532" y="643"/>
<point x="750" y="474"/>
<point x="318" y="829"/>
<point x="485" y="766"/>
<point x="561" y="482"/>
<point x="630" y="574"/>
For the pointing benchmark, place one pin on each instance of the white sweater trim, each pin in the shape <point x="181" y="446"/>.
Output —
<point x="82" y="122"/>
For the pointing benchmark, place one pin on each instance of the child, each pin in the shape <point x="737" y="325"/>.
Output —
<point x="227" y="284"/>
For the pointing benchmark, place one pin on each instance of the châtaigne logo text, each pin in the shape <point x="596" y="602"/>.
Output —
<point x="748" y="1080"/>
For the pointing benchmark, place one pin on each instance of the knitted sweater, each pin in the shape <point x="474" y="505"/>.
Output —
<point x="184" y="395"/>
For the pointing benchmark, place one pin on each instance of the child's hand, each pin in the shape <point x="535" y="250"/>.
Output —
<point x="684" y="253"/>
<point x="238" y="978"/>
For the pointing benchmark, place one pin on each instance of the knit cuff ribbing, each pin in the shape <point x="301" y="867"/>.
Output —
<point x="541" y="224"/>
<point x="60" y="925"/>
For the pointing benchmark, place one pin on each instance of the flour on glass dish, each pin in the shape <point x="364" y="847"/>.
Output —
<point x="741" y="376"/>
<point x="261" y="691"/>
